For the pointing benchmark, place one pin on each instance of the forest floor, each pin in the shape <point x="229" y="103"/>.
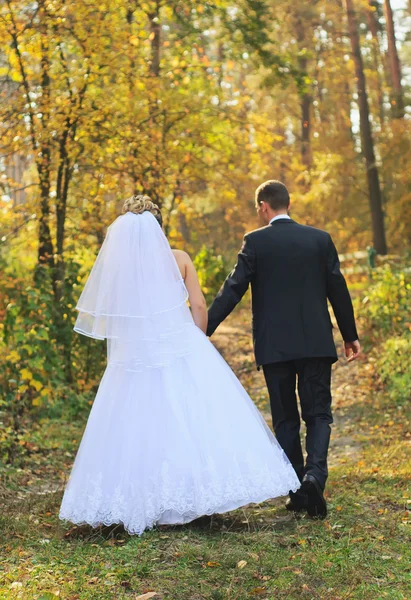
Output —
<point x="361" y="551"/>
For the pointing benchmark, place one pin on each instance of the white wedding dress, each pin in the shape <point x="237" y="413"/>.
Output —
<point x="172" y="434"/>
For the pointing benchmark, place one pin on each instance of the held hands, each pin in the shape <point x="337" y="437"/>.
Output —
<point x="352" y="350"/>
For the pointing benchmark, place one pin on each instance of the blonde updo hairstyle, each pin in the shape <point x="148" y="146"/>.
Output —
<point x="138" y="204"/>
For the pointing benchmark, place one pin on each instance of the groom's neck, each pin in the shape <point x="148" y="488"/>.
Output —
<point x="275" y="213"/>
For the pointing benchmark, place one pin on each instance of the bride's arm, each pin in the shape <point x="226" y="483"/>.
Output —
<point x="197" y="301"/>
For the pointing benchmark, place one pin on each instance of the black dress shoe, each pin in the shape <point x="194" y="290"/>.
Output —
<point x="292" y="507"/>
<point x="316" y="504"/>
<point x="297" y="502"/>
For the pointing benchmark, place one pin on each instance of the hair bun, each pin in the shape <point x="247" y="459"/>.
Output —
<point x="138" y="204"/>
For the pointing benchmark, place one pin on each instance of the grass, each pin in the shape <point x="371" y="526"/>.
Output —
<point x="362" y="550"/>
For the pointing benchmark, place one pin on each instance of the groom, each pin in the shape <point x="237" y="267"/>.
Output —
<point x="293" y="269"/>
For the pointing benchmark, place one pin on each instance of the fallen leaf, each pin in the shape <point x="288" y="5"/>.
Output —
<point x="146" y="596"/>
<point x="115" y="542"/>
<point x="258" y="591"/>
<point x="213" y="564"/>
<point x="241" y="564"/>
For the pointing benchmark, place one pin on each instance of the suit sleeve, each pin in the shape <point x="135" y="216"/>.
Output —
<point x="234" y="287"/>
<point x="339" y="296"/>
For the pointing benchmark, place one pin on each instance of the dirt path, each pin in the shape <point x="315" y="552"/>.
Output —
<point x="233" y="340"/>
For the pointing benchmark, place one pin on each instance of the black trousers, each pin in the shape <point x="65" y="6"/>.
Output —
<point x="314" y="390"/>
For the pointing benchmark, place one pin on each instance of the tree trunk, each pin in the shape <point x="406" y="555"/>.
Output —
<point x="397" y="100"/>
<point x="45" y="254"/>
<point x="64" y="173"/>
<point x="184" y="228"/>
<point x="45" y="247"/>
<point x="367" y="143"/>
<point x="305" y="98"/>
<point x="60" y="196"/>
<point x="62" y="187"/>
<point x="41" y="150"/>
<point x="375" y="28"/>
<point x="305" y="130"/>
<point x="155" y="38"/>
<point x="176" y="196"/>
<point x="152" y="184"/>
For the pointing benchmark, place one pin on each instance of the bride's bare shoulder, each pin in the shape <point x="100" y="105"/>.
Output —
<point x="181" y="256"/>
<point x="183" y="261"/>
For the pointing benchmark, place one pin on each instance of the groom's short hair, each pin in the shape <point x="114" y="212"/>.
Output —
<point x="274" y="193"/>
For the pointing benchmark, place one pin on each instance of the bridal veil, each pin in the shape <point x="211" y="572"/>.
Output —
<point x="135" y="296"/>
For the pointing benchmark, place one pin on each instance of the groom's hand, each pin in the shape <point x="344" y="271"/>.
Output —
<point x="352" y="350"/>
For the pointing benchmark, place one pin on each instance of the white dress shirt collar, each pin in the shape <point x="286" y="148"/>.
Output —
<point x="284" y="216"/>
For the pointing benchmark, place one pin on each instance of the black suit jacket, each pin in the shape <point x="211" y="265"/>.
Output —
<point x="292" y="270"/>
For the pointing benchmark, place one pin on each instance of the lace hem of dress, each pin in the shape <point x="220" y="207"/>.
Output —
<point x="172" y="502"/>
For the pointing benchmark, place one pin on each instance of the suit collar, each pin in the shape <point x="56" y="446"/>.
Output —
<point x="284" y="220"/>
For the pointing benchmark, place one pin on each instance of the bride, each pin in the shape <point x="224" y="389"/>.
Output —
<point x="172" y="434"/>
